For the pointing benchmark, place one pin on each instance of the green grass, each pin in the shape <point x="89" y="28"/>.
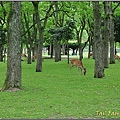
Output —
<point x="54" y="93"/>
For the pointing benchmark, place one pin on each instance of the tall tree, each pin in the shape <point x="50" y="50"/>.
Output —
<point x="13" y="74"/>
<point x="28" y="40"/>
<point x="98" y="42"/>
<point x="112" y="52"/>
<point x="106" y="31"/>
<point x="81" y="13"/>
<point x="41" y="24"/>
<point x="112" y="59"/>
<point x="57" y="44"/>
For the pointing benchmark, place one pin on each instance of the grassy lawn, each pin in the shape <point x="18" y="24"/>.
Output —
<point x="54" y="93"/>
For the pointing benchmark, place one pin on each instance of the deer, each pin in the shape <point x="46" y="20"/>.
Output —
<point x="117" y="57"/>
<point x="79" y="64"/>
<point x="23" y="55"/>
<point x="91" y="54"/>
<point x="35" y="57"/>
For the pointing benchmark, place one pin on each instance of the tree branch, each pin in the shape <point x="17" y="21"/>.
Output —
<point x="45" y="18"/>
<point x="115" y="7"/>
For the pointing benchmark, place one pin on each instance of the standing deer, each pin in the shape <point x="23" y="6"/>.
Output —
<point x="77" y="63"/>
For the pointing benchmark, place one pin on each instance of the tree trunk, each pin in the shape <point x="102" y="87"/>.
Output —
<point x="27" y="45"/>
<point x="59" y="51"/>
<point x="29" y="55"/>
<point x="89" y="48"/>
<point x="51" y="51"/>
<point x="13" y="74"/>
<point x="57" y="42"/>
<point x="63" y="49"/>
<point x="34" y="46"/>
<point x="79" y="42"/>
<point x="80" y="37"/>
<point x="39" y="52"/>
<point x="99" y="65"/>
<point x="29" y="41"/>
<point x="106" y="33"/>
<point x="2" y="41"/>
<point x="90" y="33"/>
<point x="41" y="28"/>
<point x="112" y="58"/>
<point x="68" y="52"/>
<point x="33" y="53"/>
<point x="56" y="48"/>
<point x="40" y="39"/>
<point x="1" y="53"/>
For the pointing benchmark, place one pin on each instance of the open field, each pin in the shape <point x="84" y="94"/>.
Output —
<point x="54" y="93"/>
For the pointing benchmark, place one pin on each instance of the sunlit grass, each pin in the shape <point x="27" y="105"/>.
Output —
<point x="54" y="93"/>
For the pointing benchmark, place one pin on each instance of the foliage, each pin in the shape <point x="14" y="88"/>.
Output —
<point x="56" y="94"/>
<point x="117" y="28"/>
<point x="69" y="9"/>
<point x="27" y="7"/>
<point x="3" y="12"/>
<point x="65" y="32"/>
<point x="74" y="45"/>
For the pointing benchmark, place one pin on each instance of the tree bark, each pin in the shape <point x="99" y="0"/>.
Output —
<point x="13" y="74"/>
<point x="1" y="53"/>
<point x="29" y="41"/>
<point x="80" y="37"/>
<point x="112" y="52"/>
<point x="99" y="64"/>
<point x="2" y="42"/>
<point x="57" y="50"/>
<point x="91" y="43"/>
<point x="57" y="47"/>
<point x="106" y="33"/>
<point x="51" y="51"/>
<point x="39" y="51"/>
<point x="90" y="46"/>
<point x="34" y="45"/>
<point x="68" y="52"/>
<point x="40" y="41"/>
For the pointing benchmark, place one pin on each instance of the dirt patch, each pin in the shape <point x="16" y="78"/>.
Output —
<point x="13" y="89"/>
